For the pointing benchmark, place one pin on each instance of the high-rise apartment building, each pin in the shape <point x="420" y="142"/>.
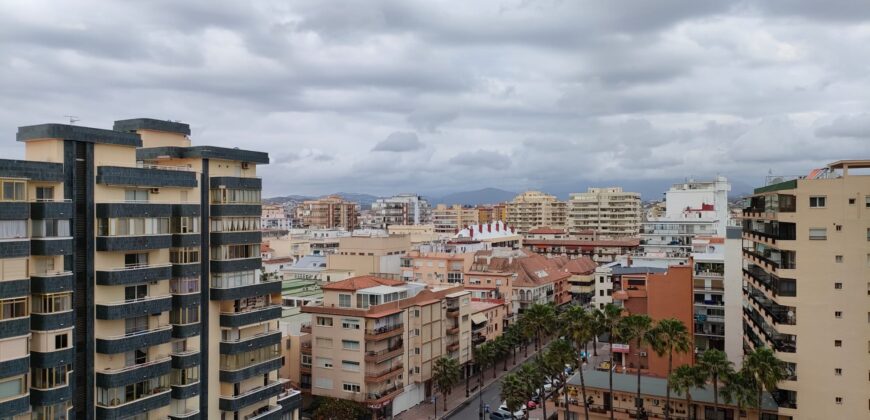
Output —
<point x="449" y="219"/>
<point x="376" y="340"/>
<point x="609" y="212"/>
<point x="130" y="283"/>
<point x="401" y="209"/>
<point x="329" y="212"/>
<point x="534" y="209"/>
<point x="806" y="293"/>
<point x="494" y="213"/>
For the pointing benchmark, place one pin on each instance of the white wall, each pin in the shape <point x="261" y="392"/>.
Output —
<point x="734" y="297"/>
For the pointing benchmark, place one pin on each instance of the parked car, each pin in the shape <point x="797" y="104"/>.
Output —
<point x="499" y="415"/>
<point x="521" y="413"/>
<point x="531" y="405"/>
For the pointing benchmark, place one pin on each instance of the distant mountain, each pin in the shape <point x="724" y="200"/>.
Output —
<point x="285" y="199"/>
<point x="365" y="200"/>
<point x="473" y="198"/>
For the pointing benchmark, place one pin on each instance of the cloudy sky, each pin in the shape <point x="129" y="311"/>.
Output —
<point x="436" y="96"/>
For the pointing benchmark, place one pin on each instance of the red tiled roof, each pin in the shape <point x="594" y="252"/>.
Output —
<point x="278" y="260"/>
<point x="570" y="242"/>
<point x="361" y="282"/>
<point x="582" y="265"/>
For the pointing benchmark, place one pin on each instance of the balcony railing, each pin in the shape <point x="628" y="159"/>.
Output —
<point x="384" y="332"/>
<point x="157" y="361"/>
<point x="385" y="354"/>
<point x="384" y="395"/>
<point x="305" y="327"/>
<point x="382" y="374"/>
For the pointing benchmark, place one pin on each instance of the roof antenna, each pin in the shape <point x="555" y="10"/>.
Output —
<point x="72" y="119"/>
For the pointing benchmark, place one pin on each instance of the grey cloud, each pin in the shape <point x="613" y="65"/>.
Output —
<point x="482" y="159"/>
<point x="430" y="120"/>
<point x="399" y="141"/>
<point x="857" y="126"/>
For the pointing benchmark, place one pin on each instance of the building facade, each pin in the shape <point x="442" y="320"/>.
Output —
<point x="331" y="212"/>
<point x="449" y="219"/>
<point x="402" y="209"/>
<point x="609" y="212"/>
<point x="806" y="272"/>
<point x="138" y="285"/>
<point x="534" y="209"/>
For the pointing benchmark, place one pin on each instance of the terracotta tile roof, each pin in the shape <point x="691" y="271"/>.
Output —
<point x="361" y="282"/>
<point x="570" y="242"/>
<point x="278" y="260"/>
<point x="582" y="265"/>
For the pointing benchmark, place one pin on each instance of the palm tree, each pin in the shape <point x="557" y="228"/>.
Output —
<point x="337" y="409"/>
<point x="512" y="336"/>
<point x="598" y="328"/>
<point x="514" y="391"/>
<point x="446" y="374"/>
<point x="526" y="332"/>
<point x="672" y="336"/>
<point x="533" y="376"/>
<point x="578" y="327"/>
<point x="483" y="356"/>
<point x="541" y="319"/>
<point x="611" y="315"/>
<point x="640" y="329"/>
<point x="765" y="370"/>
<point x="738" y="388"/>
<point x="502" y="351"/>
<point x="552" y="364"/>
<point x="717" y="366"/>
<point x="683" y="379"/>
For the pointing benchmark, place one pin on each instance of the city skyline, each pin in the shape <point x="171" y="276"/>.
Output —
<point x="388" y="97"/>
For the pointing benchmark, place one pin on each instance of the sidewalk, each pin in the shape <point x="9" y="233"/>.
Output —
<point x="425" y="410"/>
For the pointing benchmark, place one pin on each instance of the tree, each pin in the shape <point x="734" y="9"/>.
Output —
<point x="611" y="315"/>
<point x="716" y="366"/>
<point x="446" y="374"/>
<point x="501" y="347"/>
<point x="765" y="370"/>
<point x="671" y="336"/>
<point x="738" y="388"/>
<point x="578" y="326"/>
<point x="526" y="332"/>
<point x="638" y="328"/>
<point x="683" y="379"/>
<point x="336" y="409"/>
<point x="512" y="336"/>
<point x="533" y="376"/>
<point x="514" y="391"/>
<point x="552" y="364"/>
<point x="540" y="319"/>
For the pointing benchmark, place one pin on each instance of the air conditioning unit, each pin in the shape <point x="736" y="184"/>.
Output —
<point x="154" y="191"/>
<point x="245" y="165"/>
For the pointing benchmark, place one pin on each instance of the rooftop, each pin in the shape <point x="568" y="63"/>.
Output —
<point x="546" y="231"/>
<point x="361" y="282"/>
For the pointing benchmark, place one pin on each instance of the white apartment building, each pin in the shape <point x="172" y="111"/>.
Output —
<point x="401" y="209"/>
<point x="610" y="212"/>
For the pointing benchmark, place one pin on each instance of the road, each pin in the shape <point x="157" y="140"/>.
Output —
<point x="490" y="394"/>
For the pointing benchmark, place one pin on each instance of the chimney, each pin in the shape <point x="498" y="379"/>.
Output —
<point x="628" y="261"/>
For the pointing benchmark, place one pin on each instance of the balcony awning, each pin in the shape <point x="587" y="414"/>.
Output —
<point x="478" y="318"/>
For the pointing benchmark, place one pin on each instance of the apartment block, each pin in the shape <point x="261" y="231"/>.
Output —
<point x="434" y="268"/>
<point x="449" y="219"/>
<point x="806" y="272"/>
<point x="375" y="341"/>
<point x="534" y="209"/>
<point x="110" y="233"/>
<point x="364" y="255"/>
<point x="487" y="319"/>
<point x="401" y="209"/>
<point x="708" y="259"/>
<point x="601" y="251"/>
<point x="493" y="213"/>
<point x="331" y="212"/>
<point x="274" y="218"/>
<point x="610" y="212"/>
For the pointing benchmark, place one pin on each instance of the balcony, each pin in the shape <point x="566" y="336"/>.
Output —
<point x="151" y="305"/>
<point x="305" y="328"/>
<point x="188" y="414"/>
<point x="112" y="378"/>
<point x="290" y="399"/>
<point x="379" y="375"/>
<point x="133" y="243"/>
<point x="134" y="340"/>
<point x="305" y="347"/>
<point x="453" y="312"/>
<point x="239" y="319"/>
<point x="453" y="330"/>
<point x="385" y="354"/>
<point x="157" y="398"/>
<point x="258" y="367"/>
<point x="134" y="274"/>
<point x="384" y="332"/>
<point x="261" y="393"/>
<point x="51" y="209"/>
<point x="253" y="342"/>
<point x="52" y="321"/>
<point x="51" y="282"/>
<point x="381" y="397"/>
<point x="185" y="359"/>
<point x="259" y="288"/>
<point x="269" y="412"/>
<point x="452" y="347"/>
<point x="52" y="246"/>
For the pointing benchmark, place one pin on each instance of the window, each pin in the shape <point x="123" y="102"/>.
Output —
<point x="325" y="383"/>
<point x="867" y="201"/>
<point x="11" y="387"/>
<point x="350" y="324"/>
<point x="838" y="314"/>
<point x="817" y="201"/>
<point x="324" y="362"/>
<point x="44" y="193"/>
<point x="185" y="224"/>
<point x="51" y="303"/>
<point x="136" y="195"/>
<point x="49" y="228"/>
<point x="324" y="343"/>
<point x="13" y="308"/>
<point x="818" y="234"/>
<point x="137" y="324"/>
<point x="350" y="344"/>
<point x="350" y="366"/>
<point x="235" y="196"/>
<point x="235" y="252"/>
<point x="838" y="258"/>
<point x="343" y="301"/>
<point x="184" y="285"/>
<point x="139" y="291"/>
<point x="839" y="286"/>
<point x="838" y="343"/>
<point x="234" y="279"/>
<point x="44" y="378"/>
<point x="235" y="224"/>
<point x="61" y="341"/>
<point x="838" y="400"/>
<point x="14" y="190"/>
<point x="184" y="255"/>
<point x="838" y="371"/>
<point x="324" y="321"/>
<point x="11" y="229"/>
<point x="135" y="260"/>
<point x="350" y="387"/>
<point x="184" y="315"/>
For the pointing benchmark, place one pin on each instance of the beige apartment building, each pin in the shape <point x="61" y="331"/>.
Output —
<point x="435" y="268"/>
<point x="328" y="213"/>
<point x="534" y="209"/>
<point x="375" y="341"/>
<point x="449" y="219"/>
<point x="369" y="254"/>
<point x="610" y="212"/>
<point x="806" y="292"/>
<point x="493" y="213"/>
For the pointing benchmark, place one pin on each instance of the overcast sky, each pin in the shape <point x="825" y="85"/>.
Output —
<point x="435" y="96"/>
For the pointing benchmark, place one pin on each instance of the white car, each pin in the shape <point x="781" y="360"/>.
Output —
<point x="521" y="413"/>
